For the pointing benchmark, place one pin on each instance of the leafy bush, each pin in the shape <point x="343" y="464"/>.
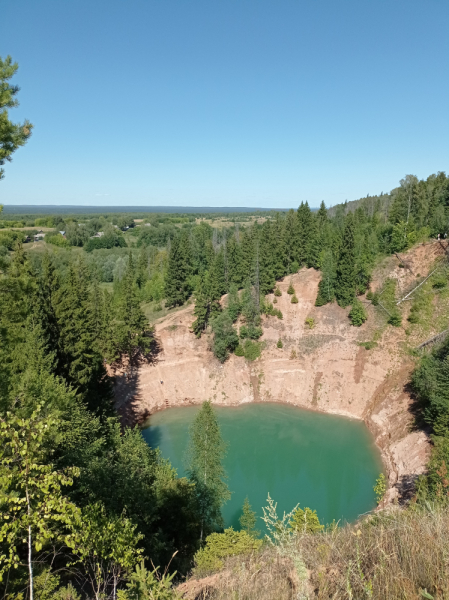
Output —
<point x="221" y="545"/>
<point x="226" y="339"/>
<point x="357" y="314"/>
<point x="294" y="299"/>
<point x="294" y="267"/>
<point x="279" y="343"/>
<point x="252" y="350"/>
<point x="368" y="345"/>
<point x="148" y="585"/>
<point x="10" y="238"/>
<point x="239" y="351"/>
<point x="305" y="521"/>
<point x="107" y="241"/>
<point x="291" y="289"/>
<point x="380" y="487"/>
<point x="395" y="319"/>
<point x="277" y="292"/>
<point x="310" y="322"/>
<point x="57" y="240"/>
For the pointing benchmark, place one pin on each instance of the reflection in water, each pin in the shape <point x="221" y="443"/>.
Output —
<point x="326" y="462"/>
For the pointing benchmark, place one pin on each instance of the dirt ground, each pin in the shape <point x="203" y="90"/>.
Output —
<point x="322" y="368"/>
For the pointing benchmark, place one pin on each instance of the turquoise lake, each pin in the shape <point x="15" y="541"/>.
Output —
<point x="326" y="462"/>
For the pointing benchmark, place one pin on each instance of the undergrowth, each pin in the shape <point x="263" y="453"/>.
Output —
<point x="391" y="555"/>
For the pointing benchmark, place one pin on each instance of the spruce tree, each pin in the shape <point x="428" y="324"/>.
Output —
<point x="134" y="332"/>
<point x="345" y="284"/>
<point x="326" y="288"/>
<point x="79" y="362"/>
<point x="314" y="245"/>
<point x="304" y="225"/>
<point x="207" y="303"/>
<point x="177" y="288"/>
<point x="204" y="461"/>
<point x="248" y="519"/>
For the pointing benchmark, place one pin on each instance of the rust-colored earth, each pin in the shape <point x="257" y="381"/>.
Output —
<point x="322" y="368"/>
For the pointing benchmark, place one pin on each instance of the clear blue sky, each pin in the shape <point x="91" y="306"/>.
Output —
<point x="225" y="103"/>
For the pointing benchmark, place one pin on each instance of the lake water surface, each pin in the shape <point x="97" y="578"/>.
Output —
<point x="326" y="462"/>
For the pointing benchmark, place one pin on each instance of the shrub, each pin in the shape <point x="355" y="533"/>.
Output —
<point x="294" y="299"/>
<point x="395" y="319"/>
<point x="107" y="241"/>
<point x="221" y="545"/>
<point x="357" y="314"/>
<point x="293" y="354"/>
<point x="368" y="345"/>
<point x="277" y="292"/>
<point x="369" y="295"/>
<point x="243" y="332"/>
<point x="291" y="289"/>
<point x="252" y="350"/>
<point x="10" y="238"/>
<point x="57" y="240"/>
<point x="294" y="267"/>
<point x="380" y="488"/>
<point x="279" y="344"/>
<point x="239" y="351"/>
<point x="275" y="301"/>
<point x="305" y="521"/>
<point x="310" y="322"/>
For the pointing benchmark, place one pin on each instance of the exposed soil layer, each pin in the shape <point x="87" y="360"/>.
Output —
<point x="323" y="368"/>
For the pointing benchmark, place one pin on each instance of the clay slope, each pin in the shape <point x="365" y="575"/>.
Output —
<point x="330" y="372"/>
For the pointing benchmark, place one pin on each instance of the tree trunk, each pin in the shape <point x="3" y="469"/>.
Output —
<point x="30" y="565"/>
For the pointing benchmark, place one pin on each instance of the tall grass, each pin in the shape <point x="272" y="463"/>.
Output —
<point x="399" y="554"/>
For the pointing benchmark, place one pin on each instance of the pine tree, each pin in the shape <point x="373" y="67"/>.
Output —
<point x="248" y="519"/>
<point x="177" y="287"/>
<point x="204" y="460"/>
<point x="345" y="285"/>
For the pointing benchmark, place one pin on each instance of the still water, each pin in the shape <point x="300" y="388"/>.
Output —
<point x="326" y="462"/>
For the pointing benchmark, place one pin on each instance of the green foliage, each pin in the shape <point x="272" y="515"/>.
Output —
<point x="279" y="343"/>
<point x="106" y="547"/>
<point x="294" y="299"/>
<point x="177" y="286"/>
<point x="395" y="319"/>
<point x="226" y="339"/>
<point x="431" y="384"/>
<point x="248" y="519"/>
<point x="35" y="510"/>
<point x="111" y="239"/>
<point x="252" y="350"/>
<point x="380" y="488"/>
<point x="56" y="239"/>
<point x="148" y="585"/>
<point x="368" y="345"/>
<point x="310" y="322"/>
<point x="291" y="289"/>
<point x="239" y="351"/>
<point x="434" y="485"/>
<point x="12" y="135"/>
<point x="204" y="461"/>
<point x="221" y="545"/>
<point x="357" y="314"/>
<point x="10" y="239"/>
<point x="277" y="292"/>
<point x="305" y="521"/>
<point x="345" y="285"/>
